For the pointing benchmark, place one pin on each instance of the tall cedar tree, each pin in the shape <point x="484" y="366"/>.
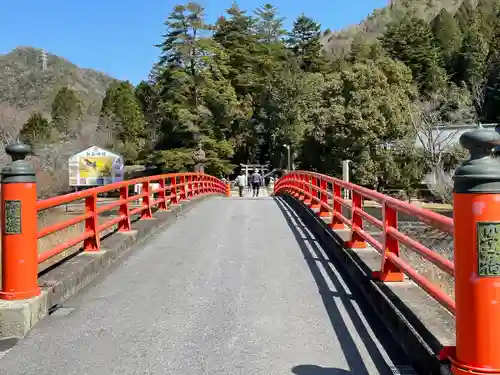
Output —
<point x="122" y="115"/>
<point x="269" y="25"/>
<point x="473" y="54"/>
<point x="412" y="42"/>
<point x="305" y="42"/>
<point x="448" y="36"/>
<point x="66" y="112"/>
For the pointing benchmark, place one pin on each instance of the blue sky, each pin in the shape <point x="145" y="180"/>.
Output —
<point x="117" y="36"/>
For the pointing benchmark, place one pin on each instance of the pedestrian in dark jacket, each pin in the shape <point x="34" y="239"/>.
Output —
<point x="256" y="180"/>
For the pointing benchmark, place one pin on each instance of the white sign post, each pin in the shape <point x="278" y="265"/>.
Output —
<point x="345" y="177"/>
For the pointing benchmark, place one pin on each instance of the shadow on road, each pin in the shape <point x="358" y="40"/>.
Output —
<point x="317" y="370"/>
<point x="348" y="312"/>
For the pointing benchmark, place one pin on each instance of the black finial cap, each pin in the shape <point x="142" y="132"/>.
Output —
<point x="481" y="173"/>
<point x="18" y="151"/>
<point x="19" y="171"/>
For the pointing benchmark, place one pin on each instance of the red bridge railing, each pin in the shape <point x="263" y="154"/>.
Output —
<point x="474" y="230"/>
<point x="20" y="212"/>
<point x="324" y="193"/>
<point x="173" y="189"/>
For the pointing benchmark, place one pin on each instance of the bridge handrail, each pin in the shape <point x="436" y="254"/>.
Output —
<point x="314" y="189"/>
<point x="180" y="186"/>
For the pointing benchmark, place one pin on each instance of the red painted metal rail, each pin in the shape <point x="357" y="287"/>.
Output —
<point x="173" y="188"/>
<point x="317" y="191"/>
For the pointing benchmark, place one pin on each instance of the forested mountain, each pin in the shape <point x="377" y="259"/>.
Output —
<point x="59" y="105"/>
<point x="339" y="42"/>
<point x="26" y="87"/>
<point x="244" y="87"/>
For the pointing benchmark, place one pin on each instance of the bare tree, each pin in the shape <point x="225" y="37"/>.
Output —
<point x="438" y="142"/>
<point x="479" y="96"/>
<point x="428" y="128"/>
<point x="11" y="120"/>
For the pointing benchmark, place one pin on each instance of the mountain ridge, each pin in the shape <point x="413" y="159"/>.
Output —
<point x="338" y="43"/>
<point x="27" y="88"/>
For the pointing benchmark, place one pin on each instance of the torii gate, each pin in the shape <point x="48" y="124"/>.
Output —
<point x="263" y="168"/>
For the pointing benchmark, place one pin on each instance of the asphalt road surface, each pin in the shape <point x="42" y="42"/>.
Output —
<point x="236" y="286"/>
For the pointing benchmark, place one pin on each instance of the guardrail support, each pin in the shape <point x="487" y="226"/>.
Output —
<point x="93" y="242"/>
<point x="19" y="227"/>
<point x="356" y="242"/>
<point x="173" y="190"/>
<point x="124" y="224"/>
<point x="309" y="181"/>
<point x="323" y="212"/>
<point x="315" y="187"/>
<point x="183" y="195"/>
<point x="476" y="213"/>
<point x="337" y="207"/>
<point x="162" y="195"/>
<point x="190" y="187"/>
<point x="388" y="271"/>
<point x="146" y="214"/>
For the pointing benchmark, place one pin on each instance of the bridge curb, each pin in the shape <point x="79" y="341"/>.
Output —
<point x="419" y="344"/>
<point x="62" y="281"/>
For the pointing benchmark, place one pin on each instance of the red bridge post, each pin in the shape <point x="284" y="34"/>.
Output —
<point x="476" y="213"/>
<point x="19" y="227"/>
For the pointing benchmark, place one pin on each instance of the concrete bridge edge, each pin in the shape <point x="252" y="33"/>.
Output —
<point x="418" y="342"/>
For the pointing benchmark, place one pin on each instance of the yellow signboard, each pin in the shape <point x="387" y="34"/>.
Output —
<point x="95" y="167"/>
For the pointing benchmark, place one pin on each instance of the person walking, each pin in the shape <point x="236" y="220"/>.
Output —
<point x="256" y="180"/>
<point x="241" y="182"/>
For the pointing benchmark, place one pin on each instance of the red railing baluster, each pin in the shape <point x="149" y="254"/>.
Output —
<point x="337" y="207"/>
<point x="190" y="186"/>
<point x="315" y="200"/>
<point x="146" y="201"/>
<point x="173" y="190"/>
<point x="183" y="188"/>
<point x="357" y="241"/>
<point x="92" y="243"/>
<point x="307" y="189"/>
<point x="124" y="224"/>
<point x="323" y="211"/>
<point x="389" y="271"/>
<point x="162" y="195"/>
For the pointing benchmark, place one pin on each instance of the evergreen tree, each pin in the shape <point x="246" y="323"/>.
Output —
<point x="66" y="112"/>
<point x="149" y="101"/>
<point x="36" y="130"/>
<point x="121" y="115"/>
<point x="464" y="14"/>
<point x="235" y="34"/>
<point x="364" y="114"/>
<point x="473" y="54"/>
<point x="448" y="36"/>
<point x="196" y="99"/>
<point x="305" y="42"/>
<point x="487" y="11"/>
<point x="269" y="25"/>
<point x="412" y="42"/>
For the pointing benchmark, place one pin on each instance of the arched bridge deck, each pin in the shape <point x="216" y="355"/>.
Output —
<point x="237" y="286"/>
